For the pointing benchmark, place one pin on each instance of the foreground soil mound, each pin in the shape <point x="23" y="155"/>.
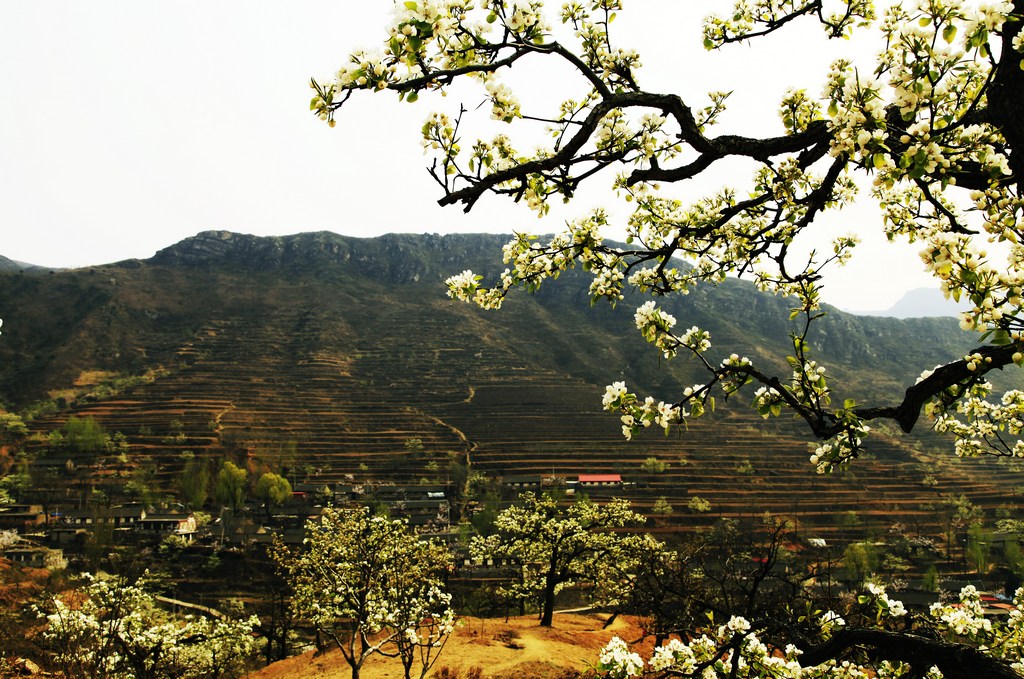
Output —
<point x="496" y="648"/>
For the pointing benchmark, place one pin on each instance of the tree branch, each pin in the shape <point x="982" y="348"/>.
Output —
<point x="908" y="411"/>
<point x="955" y="661"/>
<point x="690" y="133"/>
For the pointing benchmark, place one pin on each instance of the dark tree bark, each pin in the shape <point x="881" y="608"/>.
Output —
<point x="955" y="661"/>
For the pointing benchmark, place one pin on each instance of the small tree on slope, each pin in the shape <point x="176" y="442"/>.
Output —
<point x="555" y="547"/>
<point x="370" y="586"/>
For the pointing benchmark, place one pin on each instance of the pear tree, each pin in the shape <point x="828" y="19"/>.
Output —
<point x="929" y="129"/>
<point x="114" y="628"/>
<point x="370" y="586"/>
<point x="553" y="547"/>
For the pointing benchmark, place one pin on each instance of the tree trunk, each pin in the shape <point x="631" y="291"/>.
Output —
<point x="547" y="617"/>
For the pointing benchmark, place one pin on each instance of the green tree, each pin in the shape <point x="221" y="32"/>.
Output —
<point x="370" y="586"/>
<point x="273" y="490"/>
<point x="556" y="547"/>
<point x="661" y="507"/>
<point x="848" y="521"/>
<point x="861" y="560"/>
<point x="16" y="484"/>
<point x="12" y="427"/>
<point x="653" y="466"/>
<point x="194" y="480"/>
<point x="230" y="488"/>
<point x="698" y="505"/>
<point x="930" y="581"/>
<point x="979" y="547"/>
<point x="85" y="435"/>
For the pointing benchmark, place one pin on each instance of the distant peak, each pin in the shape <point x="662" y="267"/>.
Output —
<point x="13" y="265"/>
<point x="919" y="303"/>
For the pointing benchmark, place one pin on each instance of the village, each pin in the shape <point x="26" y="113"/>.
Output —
<point x="52" y="536"/>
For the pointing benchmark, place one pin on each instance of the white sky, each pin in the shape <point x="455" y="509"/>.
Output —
<point x="126" y="126"/>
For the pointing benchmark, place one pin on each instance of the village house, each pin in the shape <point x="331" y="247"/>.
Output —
<point x="600" y="480"/>
<point x="21" y="517"/>
<point x="162" y="525"/>
<point x="118" y="517"/>
<point x="521" y="483"/>
<point x="26" y="553"/>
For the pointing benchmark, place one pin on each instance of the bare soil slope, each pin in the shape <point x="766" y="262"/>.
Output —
<point x="517" y="648"/>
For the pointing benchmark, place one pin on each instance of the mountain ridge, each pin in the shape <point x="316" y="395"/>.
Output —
<point x="107" y="309"/>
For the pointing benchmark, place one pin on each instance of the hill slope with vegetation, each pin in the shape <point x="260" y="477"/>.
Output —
<point x="334" y="358"/>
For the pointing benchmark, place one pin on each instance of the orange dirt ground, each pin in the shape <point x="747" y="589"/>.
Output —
<point x="536" y="653"/>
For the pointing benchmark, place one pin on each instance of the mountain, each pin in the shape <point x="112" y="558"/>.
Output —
<point x="12" y="265"/>
<point x="131" y="316"/>
<point x="921" y="303"/>
<point x="341" y="360"/>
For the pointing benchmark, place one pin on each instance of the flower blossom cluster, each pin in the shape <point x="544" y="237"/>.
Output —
<point x="983" y="422"/>
<point x="620" y="661"/>
<point x="655" y="325"/>
<point x="735" y="650"/>
<point x="887" y="608"/>
<point x="966" y="619"/>
<point x="637" y="414"/>
<point x="841" y="448"/>
<point x="713" y="650"/>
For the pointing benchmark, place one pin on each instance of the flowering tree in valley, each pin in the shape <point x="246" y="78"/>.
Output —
<point x="931" y="126"/>
<point x="370" y="586"/>
<point x="113" y="629"/>
<point x="555" y="547"/>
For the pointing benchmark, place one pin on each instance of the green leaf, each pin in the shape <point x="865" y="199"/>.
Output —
<point x="410" y="5"/>
<point x="412" y="96"/>
<point x="492" y="17"/>
<point x="949" y="33"/>
<point x="878" y="160"/>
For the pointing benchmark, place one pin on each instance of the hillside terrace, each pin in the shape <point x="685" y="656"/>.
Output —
<point x="348" y="410"/>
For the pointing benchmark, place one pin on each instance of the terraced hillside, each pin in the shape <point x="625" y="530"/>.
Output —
<point x="327" y="357"/>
